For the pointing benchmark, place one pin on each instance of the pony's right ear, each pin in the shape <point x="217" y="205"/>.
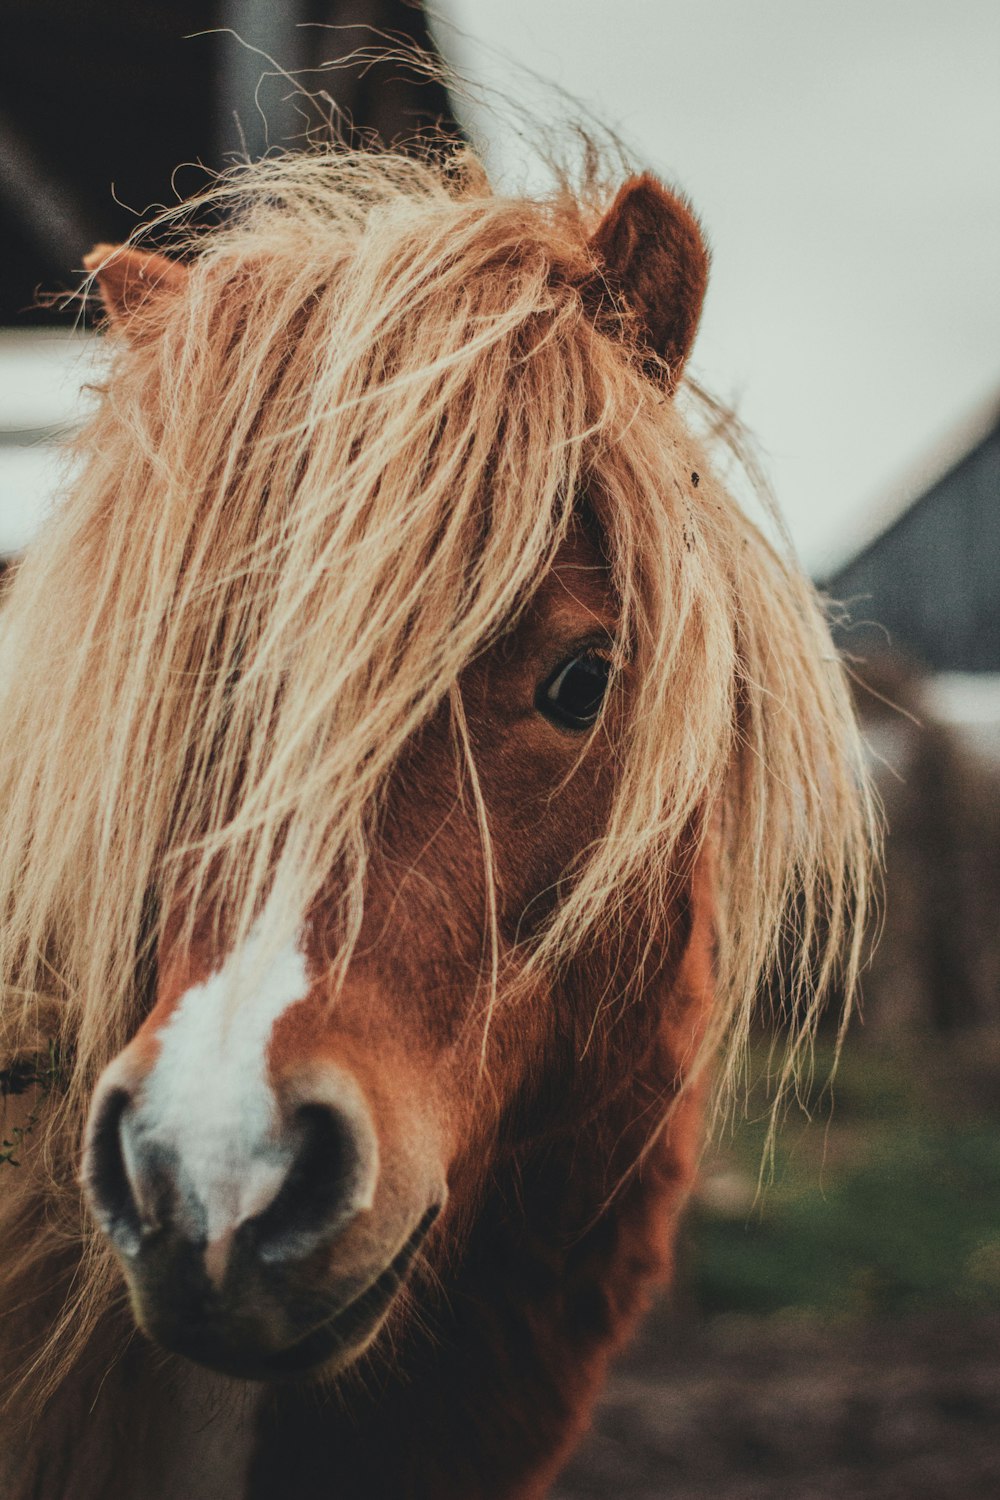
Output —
<point x="129" y="279"/>
<point x="652" y="256"/>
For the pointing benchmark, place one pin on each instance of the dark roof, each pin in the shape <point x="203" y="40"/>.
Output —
<point x="928" y="584"/>
<point x="100" y="104"/>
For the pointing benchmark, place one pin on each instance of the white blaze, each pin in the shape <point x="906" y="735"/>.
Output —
<point x="208" y="1098"/>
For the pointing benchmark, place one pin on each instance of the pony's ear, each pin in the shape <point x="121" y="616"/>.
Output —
<point x="129" y="278"/>
<point x="653" y="256"/>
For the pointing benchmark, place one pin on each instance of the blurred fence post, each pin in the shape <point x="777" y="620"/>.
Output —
<point x="265" y="38"/>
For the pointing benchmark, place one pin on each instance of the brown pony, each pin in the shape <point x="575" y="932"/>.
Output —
<point x="412" y="761"/>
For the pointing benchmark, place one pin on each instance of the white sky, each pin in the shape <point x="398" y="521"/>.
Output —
<point x="843" y="155"/>
<point x="844" y="159"/>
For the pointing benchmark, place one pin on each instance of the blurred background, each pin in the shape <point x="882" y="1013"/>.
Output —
<point x="836" y="1330"/>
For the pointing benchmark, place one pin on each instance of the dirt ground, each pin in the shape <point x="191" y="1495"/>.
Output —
<point x="775" y="1409"/>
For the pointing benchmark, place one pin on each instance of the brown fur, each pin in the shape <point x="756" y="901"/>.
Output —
<point x="372" y="468"/>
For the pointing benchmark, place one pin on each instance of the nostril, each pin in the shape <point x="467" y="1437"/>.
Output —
<point x="323" y="1190"/>
<point x="106" y="1175"/>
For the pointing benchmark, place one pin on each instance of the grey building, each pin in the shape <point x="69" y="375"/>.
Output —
<point x="922" y="600"/>
<point x="928" y="584"/>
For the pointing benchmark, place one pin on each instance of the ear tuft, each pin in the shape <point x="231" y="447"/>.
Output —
<point x="653" y="255"/>
<point x="129" y="278"/>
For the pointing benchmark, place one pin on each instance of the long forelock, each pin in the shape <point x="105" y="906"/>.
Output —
<point x="340" y="463"/>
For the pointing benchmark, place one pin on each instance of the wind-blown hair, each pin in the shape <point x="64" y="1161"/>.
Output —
<point x="317" y="485"/>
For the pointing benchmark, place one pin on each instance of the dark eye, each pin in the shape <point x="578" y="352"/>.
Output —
<point x="573" y="695"/>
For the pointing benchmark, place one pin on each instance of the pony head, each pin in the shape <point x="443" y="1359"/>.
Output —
<point x="409" y="679"/>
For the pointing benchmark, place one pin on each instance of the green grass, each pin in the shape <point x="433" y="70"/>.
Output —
<point x="887" y="1203"/>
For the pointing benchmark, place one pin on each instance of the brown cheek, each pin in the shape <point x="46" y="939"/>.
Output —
<point x="547" y="806"/>
<point x="422" y="937"/>
<point x="424" y="952"/>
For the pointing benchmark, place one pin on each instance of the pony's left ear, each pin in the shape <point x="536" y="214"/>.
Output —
<point x="128" y="279"/>
<point x="653" y="256"/>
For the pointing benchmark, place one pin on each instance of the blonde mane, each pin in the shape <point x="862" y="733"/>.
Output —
<point x="317" y="485"/>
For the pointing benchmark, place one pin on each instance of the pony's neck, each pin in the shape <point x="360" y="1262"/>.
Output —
<point x="493" y="1383"/>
